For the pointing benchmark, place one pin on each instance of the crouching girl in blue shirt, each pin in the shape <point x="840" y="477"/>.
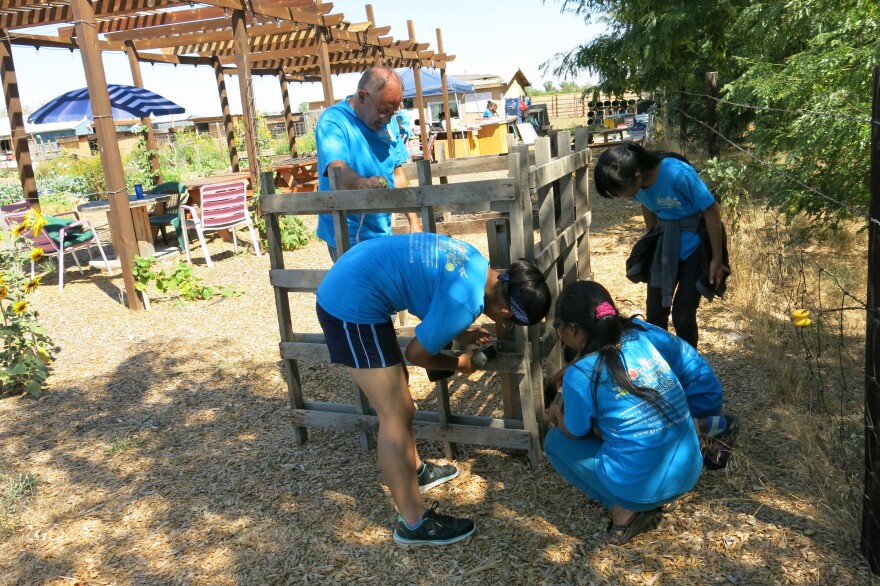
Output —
<point x="624" y="431"/>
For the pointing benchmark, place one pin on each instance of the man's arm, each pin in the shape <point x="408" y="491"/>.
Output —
<point x="415" y="224"/>
<point x="351" y="179"/>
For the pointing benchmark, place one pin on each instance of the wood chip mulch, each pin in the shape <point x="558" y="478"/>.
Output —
<point x="165" y="455"/>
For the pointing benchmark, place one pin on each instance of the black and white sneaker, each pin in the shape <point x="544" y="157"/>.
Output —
<point x="433" y="474"/>
<point x="435" y="529"/>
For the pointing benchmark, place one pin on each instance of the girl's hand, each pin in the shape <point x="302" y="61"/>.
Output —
<point x="474" y="336"/>
<point x="717" y="272"/>
<point x="553" y="415"/>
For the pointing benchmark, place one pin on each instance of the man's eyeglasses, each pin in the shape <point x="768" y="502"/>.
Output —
<point x="383" y="113"/>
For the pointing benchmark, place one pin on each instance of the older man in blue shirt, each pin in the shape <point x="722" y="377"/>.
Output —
<point x="353" y="136"/>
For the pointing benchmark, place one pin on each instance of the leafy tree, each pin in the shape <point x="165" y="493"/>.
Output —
<point x="784" y="61"/>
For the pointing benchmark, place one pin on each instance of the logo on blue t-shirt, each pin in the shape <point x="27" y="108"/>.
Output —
<point x="456" y="257"/>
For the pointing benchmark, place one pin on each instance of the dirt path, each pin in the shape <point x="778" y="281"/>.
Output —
<point x="165" y="455"/>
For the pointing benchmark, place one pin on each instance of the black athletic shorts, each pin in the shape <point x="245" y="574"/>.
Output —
<point x="360" y="345"/>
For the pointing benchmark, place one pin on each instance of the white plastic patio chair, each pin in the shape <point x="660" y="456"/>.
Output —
<point x="223" y="206"/>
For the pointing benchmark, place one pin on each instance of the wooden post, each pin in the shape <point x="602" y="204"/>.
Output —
<point x="582" y="205"/>
<point x="16" y="123"/>
<point x="227" y="114"/>
<point x="870" y="544"/>
<point x="246" y="88"/>
<point x="120" y="214"/>
<point x="326" y="80"/>
<point x="377" y="57"/>
<point x="444" y="86"/>
<point x="288" y="112"/>
<point x="420" y="98"/>
<point x="712" y="114"/>
<point x="138" y="81"/>
<point x="282" y="306"/>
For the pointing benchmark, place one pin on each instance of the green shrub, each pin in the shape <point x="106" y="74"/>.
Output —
<point x="71" y="175"/>
<point x="306" y="143"/>
<point x="179" y="279"/>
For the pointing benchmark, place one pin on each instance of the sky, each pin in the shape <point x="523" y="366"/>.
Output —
<point x="496" y="38"/>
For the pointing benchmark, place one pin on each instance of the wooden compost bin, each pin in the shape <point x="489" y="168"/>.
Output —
<point x="510" y="236"/>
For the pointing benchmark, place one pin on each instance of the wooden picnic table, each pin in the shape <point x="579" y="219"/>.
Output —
<point x="297" y="174"/>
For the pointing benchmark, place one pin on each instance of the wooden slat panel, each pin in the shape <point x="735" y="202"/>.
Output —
<point x="451" y="432"/>
<point x="559" y="168"/>
<point x="312" y="346"/>
<point x="297" y="280"/>
<point x="490" y="195"/>
<point x="549" y="254"/>
<point x="426" y="416"/>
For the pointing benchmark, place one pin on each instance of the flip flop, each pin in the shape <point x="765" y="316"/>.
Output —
<point x="622" y="534"/>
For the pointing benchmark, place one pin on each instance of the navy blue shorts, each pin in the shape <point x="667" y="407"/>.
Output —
<point x="359" y="345"/>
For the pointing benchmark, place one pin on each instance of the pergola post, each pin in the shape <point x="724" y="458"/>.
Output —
<point x="245" y="85"/>
<point x="420" y="98"/>
<point x="288" y="113"/>
<point x="450" y="139"/>
<point x="138" y="81"/>
<point x="324" y="64"/>
<point x="16" y="123"/>
<point x="121" y="225"/>
<point x="377" y="56"/>
<point x="227" y="114"/>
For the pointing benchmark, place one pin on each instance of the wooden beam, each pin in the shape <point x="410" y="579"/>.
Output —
<point x="249" y="115"/>
<point x="17" y="132"/>
<point x="138" y="81"/>
<point x="324" y="68"/>
<point x="288" y="113"/>
<point x="151" y="19"/>
<point x="56" y="13"/>
<point x="227" y="115"/>
<point x="120" y="214"/>
<point x="444" y="85"/>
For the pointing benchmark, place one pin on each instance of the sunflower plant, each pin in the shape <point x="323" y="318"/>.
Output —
<point x="24" y="344"/>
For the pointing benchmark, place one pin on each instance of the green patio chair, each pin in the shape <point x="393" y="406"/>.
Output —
<point x="179" y="195"/>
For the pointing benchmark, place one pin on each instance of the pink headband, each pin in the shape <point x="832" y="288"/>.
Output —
<point x="605" y="309"/>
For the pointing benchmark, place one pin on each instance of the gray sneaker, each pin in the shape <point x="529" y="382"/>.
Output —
<point x="435" y="529"/>
<point x="434" y="474"/>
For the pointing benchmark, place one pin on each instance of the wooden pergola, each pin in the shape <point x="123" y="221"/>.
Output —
<point x="294" y="40"/>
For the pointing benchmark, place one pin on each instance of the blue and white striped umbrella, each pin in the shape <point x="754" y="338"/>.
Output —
<point x="126" y="102"/>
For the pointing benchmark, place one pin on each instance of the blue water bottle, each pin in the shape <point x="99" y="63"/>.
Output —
<point x="139" y="191"/>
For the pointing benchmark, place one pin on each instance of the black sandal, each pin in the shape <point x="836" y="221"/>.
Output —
<point x="622" y="534"/>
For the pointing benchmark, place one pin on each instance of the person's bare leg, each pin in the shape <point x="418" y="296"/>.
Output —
<point x="388" y="392"/>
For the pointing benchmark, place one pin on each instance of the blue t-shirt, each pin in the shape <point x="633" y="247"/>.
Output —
<point x="644" y="457"/>
<point x="487" y="113"/>
<point x="701" y="387"/>
<point x="677" y="192"/>
<point x="439" y="279"/>
<point x="341" y="136"/>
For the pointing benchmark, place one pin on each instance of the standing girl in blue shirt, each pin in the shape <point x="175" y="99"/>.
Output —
<point x="674" y="202"/>
<point x="624" y="432"/>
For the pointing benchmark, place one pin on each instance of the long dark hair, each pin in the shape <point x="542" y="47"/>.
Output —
<point x="577" y="306"/>
<point x="616" y="167"/>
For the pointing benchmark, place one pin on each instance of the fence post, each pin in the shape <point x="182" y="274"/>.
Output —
<point x="870" y="545"/>
<point x="712" y="114"/>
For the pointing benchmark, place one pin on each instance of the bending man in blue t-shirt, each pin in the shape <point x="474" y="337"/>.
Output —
<point x="447" y="284"/>
<point x="353" y="136"/>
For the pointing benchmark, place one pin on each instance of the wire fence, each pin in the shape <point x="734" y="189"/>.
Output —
<point x="822" y="357"/>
